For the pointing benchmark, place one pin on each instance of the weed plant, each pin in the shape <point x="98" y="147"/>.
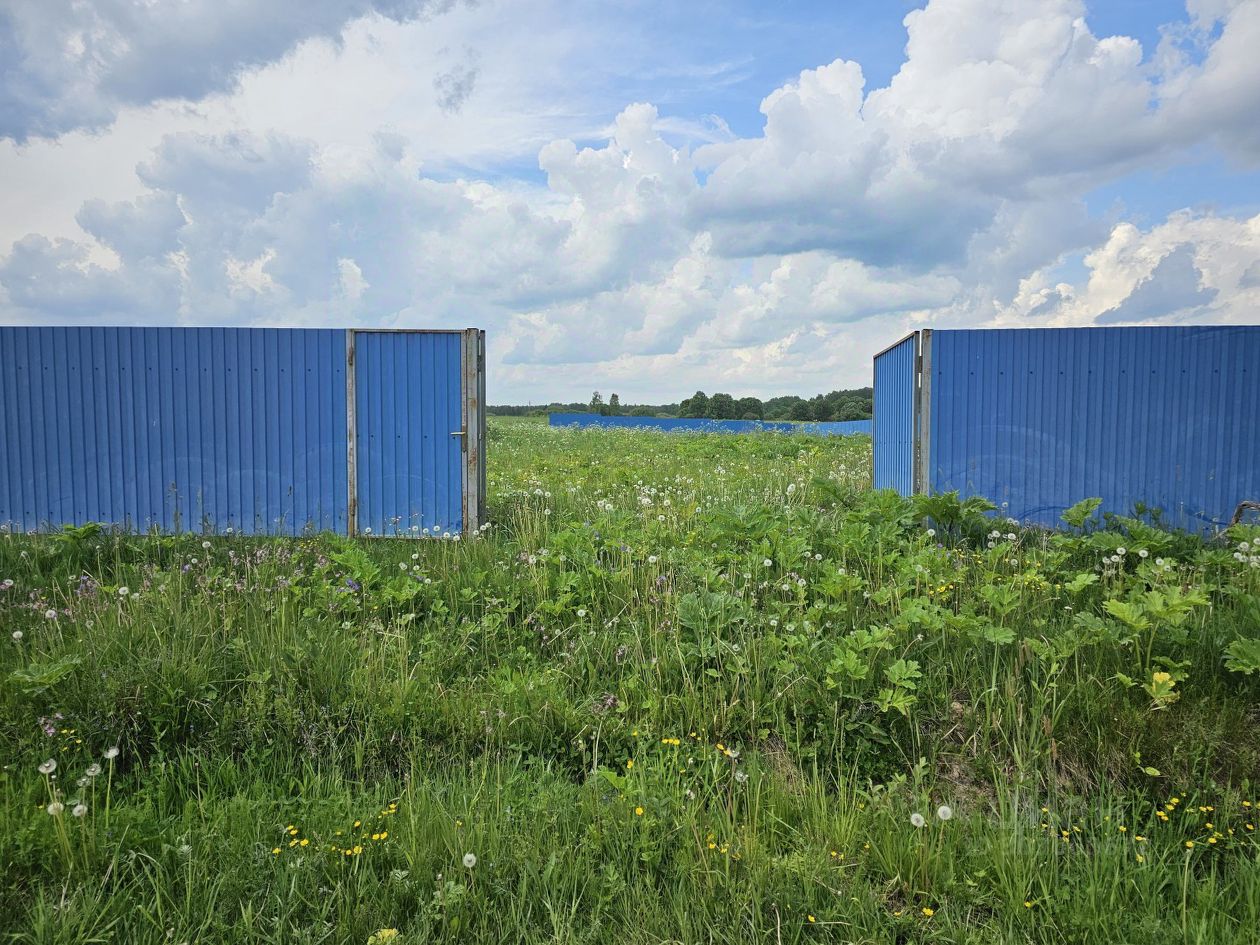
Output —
<point x="684" y="688"/>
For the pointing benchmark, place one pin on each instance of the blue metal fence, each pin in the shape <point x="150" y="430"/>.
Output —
<point x="896" y="390"/>
<point x="209" y="429"/>
<point x="1037" y="419"/>
<point x="410" y="475"/>
<point x="701" y="425"/>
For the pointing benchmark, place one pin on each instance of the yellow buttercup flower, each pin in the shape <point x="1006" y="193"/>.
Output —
<point x="929" y="912"/>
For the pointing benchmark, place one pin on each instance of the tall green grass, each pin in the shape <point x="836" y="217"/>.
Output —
<point x="684" y="689"/>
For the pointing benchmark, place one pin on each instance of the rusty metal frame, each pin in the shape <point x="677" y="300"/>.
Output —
<point x="473" y="388"/>
<point x="352" y="446"/>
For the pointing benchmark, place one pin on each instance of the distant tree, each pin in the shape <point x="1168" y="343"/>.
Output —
<point x="722" y="407"/>
<point x="750" y="408"/>
<point x="800" y="410"/>
<point x="642" y="412"/>
<point x="614" y="406"/>
<point x="597" y="404"/>
<point x="852" y="410"/>
<point x="780" y="408"/>
<point x="697" y="405"/>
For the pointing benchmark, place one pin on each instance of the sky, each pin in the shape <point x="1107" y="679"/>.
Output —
<point x="634" y="196"/>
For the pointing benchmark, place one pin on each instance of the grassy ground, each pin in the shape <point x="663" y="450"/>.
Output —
<point x="685" y="689"/>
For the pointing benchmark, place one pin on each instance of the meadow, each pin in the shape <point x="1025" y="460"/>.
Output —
<point x="683" y="689"/>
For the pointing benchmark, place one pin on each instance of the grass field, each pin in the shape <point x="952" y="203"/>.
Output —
<point x="684" y="689"/>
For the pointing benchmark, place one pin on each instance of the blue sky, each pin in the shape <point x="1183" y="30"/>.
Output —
<point x="638" y="196"/>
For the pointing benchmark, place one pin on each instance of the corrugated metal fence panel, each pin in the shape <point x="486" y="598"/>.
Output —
<point x="1038" y="419"/>
<point x="704" y="425"/>
<point x="408" y="403"/>
<point x="895" y="404"/>
<point x="173" y="428"/>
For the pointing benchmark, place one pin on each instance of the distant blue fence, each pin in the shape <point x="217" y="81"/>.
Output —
<point x="699" y="425"/>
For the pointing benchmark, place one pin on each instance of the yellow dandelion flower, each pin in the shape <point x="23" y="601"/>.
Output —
<point x="810" y="917"/>
<point x="1141" y="858"/>
<point x="275" y="851"/>
<point x="638" y="812"/>
<point x="629" y="764"/>
<point x="1189" y="844"/>
<point x="1028" y="904"/>
<point x="384" y="834"/>
<point x="305" y="842"/>
<point x="928" y="911"/>
<point x="1124" y="829"/>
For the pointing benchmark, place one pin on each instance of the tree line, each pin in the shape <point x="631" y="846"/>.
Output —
<point x="853" y="404"/>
